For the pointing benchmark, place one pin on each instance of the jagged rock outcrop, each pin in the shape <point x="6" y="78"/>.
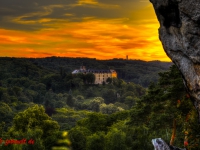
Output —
<point x="160" y="144"/>
<point x="179" y="33"/>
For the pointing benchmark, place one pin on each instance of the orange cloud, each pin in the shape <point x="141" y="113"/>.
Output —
<point x="93" y="37"/>
<point x="94" y="3"/>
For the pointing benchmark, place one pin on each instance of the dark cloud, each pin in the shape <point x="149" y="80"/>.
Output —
<point x="27" y="14"/>
<point x="14" y="12"/>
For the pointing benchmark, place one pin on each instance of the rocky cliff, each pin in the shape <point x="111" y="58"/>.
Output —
<point x="179" y="33"/>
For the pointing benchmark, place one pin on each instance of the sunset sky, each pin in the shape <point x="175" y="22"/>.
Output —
<point x="102" y="29"/>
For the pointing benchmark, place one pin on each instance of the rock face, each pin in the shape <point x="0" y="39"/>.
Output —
<point x="160" y="144"/>
<point x="179" y="33"/>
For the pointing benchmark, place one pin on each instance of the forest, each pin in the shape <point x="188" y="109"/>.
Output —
<point x="43" y="106"/>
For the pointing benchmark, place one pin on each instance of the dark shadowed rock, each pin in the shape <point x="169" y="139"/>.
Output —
<point x="179" y="33"/>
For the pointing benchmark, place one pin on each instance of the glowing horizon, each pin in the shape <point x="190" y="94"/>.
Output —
<point x="87" y="28"/>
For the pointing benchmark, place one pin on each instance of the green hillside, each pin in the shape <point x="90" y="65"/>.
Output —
<point x="44" y="106"/>
<point x="137" y="71"/>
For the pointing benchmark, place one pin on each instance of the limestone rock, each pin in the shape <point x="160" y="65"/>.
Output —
<point x="160" y="144"/>
<point x="179" y="33"/>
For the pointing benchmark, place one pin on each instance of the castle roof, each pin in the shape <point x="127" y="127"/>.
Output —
<point x="93" y="71"/>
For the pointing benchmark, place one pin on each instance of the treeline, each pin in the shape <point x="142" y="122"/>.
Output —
<point x="137" y="71"/>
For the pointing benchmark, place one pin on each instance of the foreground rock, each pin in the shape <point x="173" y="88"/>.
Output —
<point x="179" y="33"/>
<point x="159" y="144"/>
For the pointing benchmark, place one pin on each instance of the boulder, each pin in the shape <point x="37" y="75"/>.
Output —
<point x="179" y="33"/>
<point x="160" y="144"/>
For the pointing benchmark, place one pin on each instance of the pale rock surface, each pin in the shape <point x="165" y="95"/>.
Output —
<point x="160" y="144"/>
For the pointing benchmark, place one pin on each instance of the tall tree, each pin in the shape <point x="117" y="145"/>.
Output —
<point x="90" y="78"/>
<point x="33" y="123"/>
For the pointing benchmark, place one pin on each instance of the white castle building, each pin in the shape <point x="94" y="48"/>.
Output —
<point x="100" y="74"/>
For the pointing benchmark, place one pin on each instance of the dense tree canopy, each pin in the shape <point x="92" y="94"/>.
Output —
<point x="165" y="111"/>
<point x="117" y="115"/>
<point x="34" y="123"/>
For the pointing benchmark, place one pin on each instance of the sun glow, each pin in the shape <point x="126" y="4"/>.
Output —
<point x="103" y="38"/>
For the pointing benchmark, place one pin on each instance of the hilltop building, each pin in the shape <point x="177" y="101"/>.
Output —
<point x="100" y="74"/>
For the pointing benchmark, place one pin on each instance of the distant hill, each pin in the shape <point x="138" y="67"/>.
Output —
<point x="137" y="71"/>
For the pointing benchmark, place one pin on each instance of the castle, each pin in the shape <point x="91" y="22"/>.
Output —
<point x="100" y="75"/>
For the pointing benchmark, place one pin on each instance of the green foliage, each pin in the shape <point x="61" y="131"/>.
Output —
<point x="90" y="78"/>
<point x="96" y="141"/>
<point x="52" y="86"/>
<point x="95" y="105"/>
<point x="67" y="117"/>
<point x="34" y="123"/>
<point x="94" y="122"/>
<point x="115" y="140"/>
<point x="130" y="101"/>
<point x="4" y="110"/>
<point x="109" y="109"/>
<point x="63" y="143"/>
<point x="151" y="116"/>
<point x="80" y="98"/>
<point x="78" y="137"/>
<point x="100" y="132"/>
<point x="6" y="115"/>
<point x="119" y="82"/>
<point x="48" y="81"/>
<point x="70" y="101"/>
<point x="109" y="96"/>
<point x="90" y="92"/>
<point x="166" y="101"/>
<point x="109" y="80"/>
